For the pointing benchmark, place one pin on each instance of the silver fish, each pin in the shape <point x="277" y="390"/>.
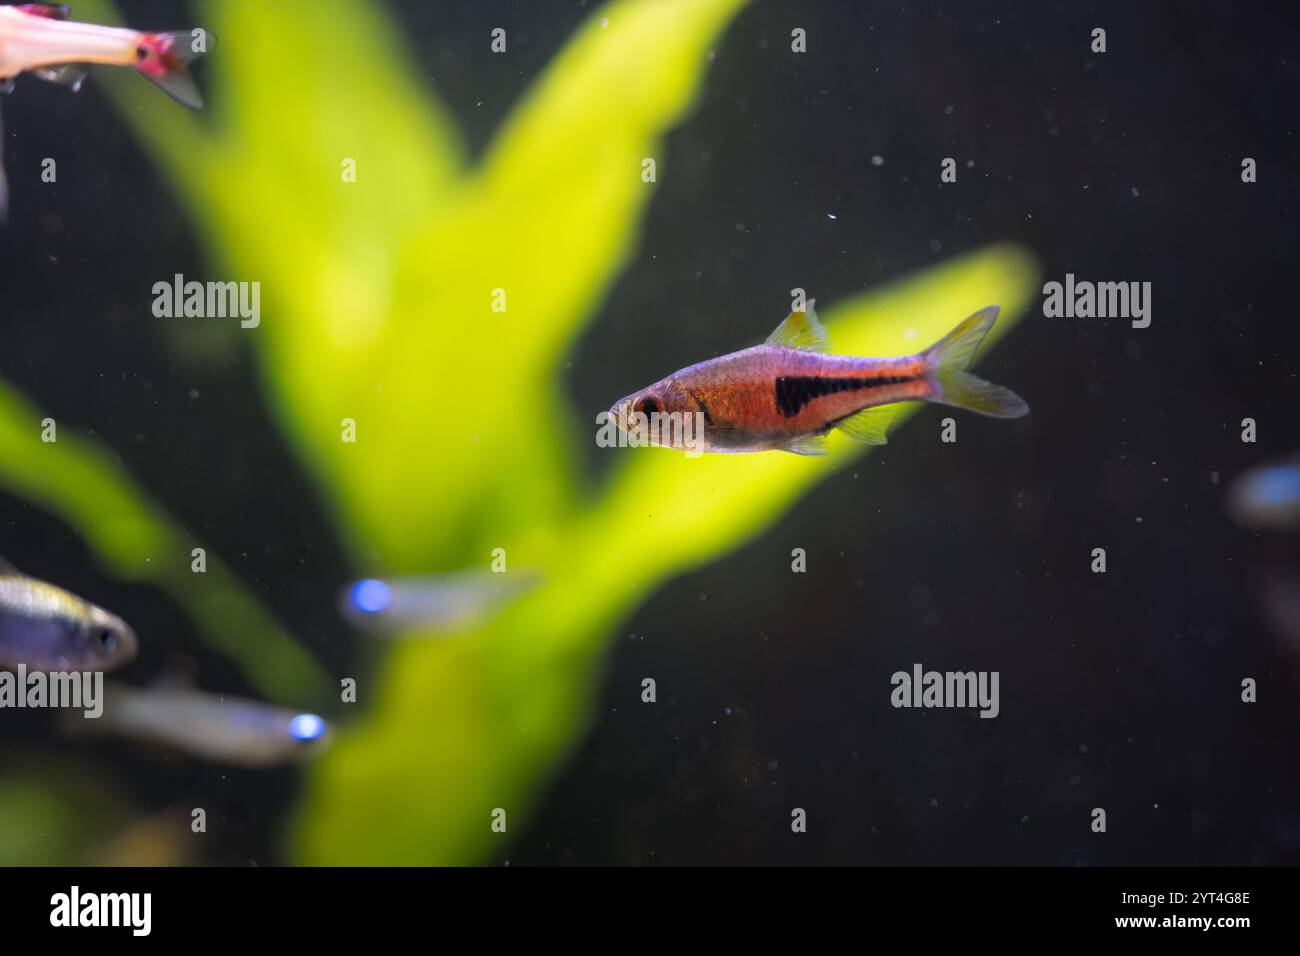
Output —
<point x="215" y="727"/>
<point x="434" y="602"/>
<point x="50" y="629"/>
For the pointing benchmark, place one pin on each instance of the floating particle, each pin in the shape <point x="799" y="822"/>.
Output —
<point x="947" y="110"/>
<point x="877" y="160"/>
<point x="831" y="215"/>
<point x="936" y="245"/>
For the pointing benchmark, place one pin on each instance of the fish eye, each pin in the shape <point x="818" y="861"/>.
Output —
<point x="141" y="53"/>
<point x="649" y="406"/>
<point x="106" y="638"/>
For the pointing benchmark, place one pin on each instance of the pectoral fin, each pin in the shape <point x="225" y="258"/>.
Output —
<point x="70" y="76"/>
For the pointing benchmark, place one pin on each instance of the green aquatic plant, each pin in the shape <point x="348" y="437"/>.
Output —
<point x="377" y="309"/>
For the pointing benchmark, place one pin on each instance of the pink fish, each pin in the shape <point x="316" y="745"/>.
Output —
<point x="37" y="38"/>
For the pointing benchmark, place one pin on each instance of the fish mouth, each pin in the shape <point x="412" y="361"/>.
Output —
<point x="619" y="411"/>
<point x="126" y="645"/>
<point x="130" y="645"/>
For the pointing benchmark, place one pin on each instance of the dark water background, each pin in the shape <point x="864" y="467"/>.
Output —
<point x="1117" y="690"/>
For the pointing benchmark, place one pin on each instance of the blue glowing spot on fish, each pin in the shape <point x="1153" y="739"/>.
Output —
<point x="371" y="596"/>
<point x="307" y="727"/>
<point x="435" y="602"/>
<point x="1267" y="498"/>
<point x="1277" y="486"/>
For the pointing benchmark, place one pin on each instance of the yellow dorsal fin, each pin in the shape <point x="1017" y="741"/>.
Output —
<point x="801" y="330"/>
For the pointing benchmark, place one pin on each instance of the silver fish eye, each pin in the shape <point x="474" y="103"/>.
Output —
<point x="107" y="639"/>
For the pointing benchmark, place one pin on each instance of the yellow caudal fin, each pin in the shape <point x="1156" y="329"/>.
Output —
<point x="948" y="360"/>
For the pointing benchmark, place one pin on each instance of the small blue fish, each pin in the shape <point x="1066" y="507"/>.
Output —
<point x="214" y="727"/>
<point x="435" y="602"/>
<point x="1267" y="497"/>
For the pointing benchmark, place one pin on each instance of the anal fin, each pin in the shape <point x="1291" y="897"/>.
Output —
<point x="806" y="445"/>
<point x="869" y="425"/>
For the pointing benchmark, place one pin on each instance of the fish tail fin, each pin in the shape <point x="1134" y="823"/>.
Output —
<point x="74" y="724"/>
<point x="164" y="58"/>
<point x="948" y="359"/>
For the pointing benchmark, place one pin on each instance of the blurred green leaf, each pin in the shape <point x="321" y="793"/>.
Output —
<point x="51" y="813"/>
<point x="377" y="294"/>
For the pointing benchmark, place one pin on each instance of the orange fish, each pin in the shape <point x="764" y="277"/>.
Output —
<point x="788" y="392"/>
